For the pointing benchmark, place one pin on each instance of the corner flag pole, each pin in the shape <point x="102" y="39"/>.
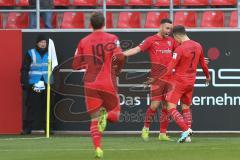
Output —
<point x="48" y="98"/>
<point x="52" y="63"/>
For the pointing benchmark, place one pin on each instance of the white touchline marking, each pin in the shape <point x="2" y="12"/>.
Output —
<point x="63" y="149"/>
<point x="110" y="149"/>
<point x="10" y="139"/>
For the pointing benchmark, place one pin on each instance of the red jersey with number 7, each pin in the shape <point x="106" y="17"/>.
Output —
<point x="186" y="58"/>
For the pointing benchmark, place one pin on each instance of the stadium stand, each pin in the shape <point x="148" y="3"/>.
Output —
<point x="132" y="13"/>
<point x="187" y="19"/>
<point x="233" y="22"/>
<point x="212" y="19"/>
<point x="166" y="3"/>
<point x="73" y="20"/>
<point x="54" y="21"/>
<point x="84" y="3"/>
<point x="1" y="22"/>
<point x="17" y="20"/>
<point x="23" y="3"/>
<point x="153" y="19"/>
<point x="116" y="3"/>
<point x="195" y="2"/>
<point x="140" y="2"/>
<point x="7" y="2"/>
<point x="61" y="3"/>
<point x="223" y="2"/>
<point x="109" y="20"/>
<point x="129" y="20"/>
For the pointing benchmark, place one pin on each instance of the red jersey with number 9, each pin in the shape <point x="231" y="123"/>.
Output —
<point x="95" y="52"/>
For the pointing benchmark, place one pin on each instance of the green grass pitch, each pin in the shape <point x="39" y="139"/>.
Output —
<point x="118" y="148"/>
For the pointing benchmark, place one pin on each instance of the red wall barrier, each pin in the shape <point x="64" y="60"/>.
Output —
<point x="10" y="89"/>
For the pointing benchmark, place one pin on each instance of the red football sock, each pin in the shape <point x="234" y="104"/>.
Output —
<point x="187" y="116"/>
<point x="96" y="135"/>
<point x="164" y="121"/>
<point x="149" y="114"/>
<point x="178" y="118"/>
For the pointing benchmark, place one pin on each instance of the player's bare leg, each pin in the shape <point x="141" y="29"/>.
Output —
<point x="152" y="109"/>
<point x="187" y="116"/>
<point x="96" y="134"/>
<point x="178" y="118"/>
<point x="164" y="122"/>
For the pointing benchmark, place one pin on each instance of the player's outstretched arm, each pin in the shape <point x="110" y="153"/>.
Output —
<point x="132" y="51"/>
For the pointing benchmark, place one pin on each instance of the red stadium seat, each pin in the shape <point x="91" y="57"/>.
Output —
<point x="187" y="19"/>
<point x="195" y="2"/>
<point x="7" y="2"/>
<point x="17" y="20"/>
<point x="1" y="21"/>
<point x="85" y="2"/>
<point x="116" y="3"/>
<point x="109" y="20"/>
<point x="212" y="19"/>
<point x="223" y="2"/>
<point x="61" y="2"/>
<point x="73" y="20"/>
<point x="129" y="20"/>
<point x="233" y="22"/>
<point x="23" y="3"/>
<point x="165" y="3"/>
<point x="153" y="19"/>
<point x="140" y="2"/>
<point x="54" y="21"/>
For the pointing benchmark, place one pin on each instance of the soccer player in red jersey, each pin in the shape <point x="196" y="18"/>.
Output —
<point x="160" y="48"/>
<point x="95" y="53"/>
<point x="186" y="58"/>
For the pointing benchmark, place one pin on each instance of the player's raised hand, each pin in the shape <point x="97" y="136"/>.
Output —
<point x="206" y="60"/>
<point x="149" y="82"/>
<point x="208" y="81"/>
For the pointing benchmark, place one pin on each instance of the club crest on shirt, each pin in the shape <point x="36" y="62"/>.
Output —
<point x="169" y="43"/>
<point x="157" y="43"/>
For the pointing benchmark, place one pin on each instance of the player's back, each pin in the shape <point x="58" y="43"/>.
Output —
<point x="189" y="53"/>
<point x="98" y="49"/>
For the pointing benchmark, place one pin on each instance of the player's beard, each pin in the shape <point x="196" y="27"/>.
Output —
<point x="164" y="35"/>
